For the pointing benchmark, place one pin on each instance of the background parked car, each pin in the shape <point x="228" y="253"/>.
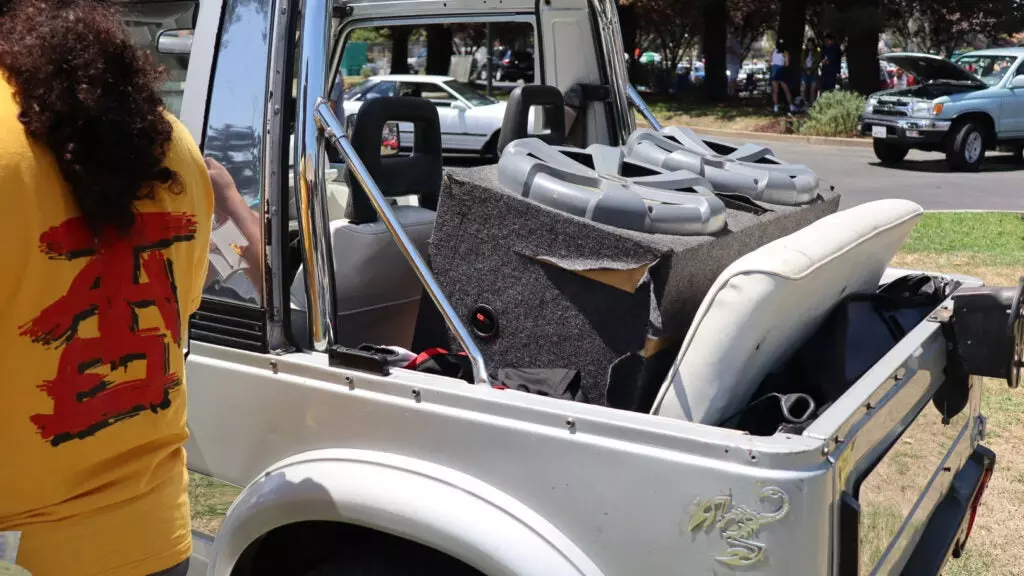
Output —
<point x="511" y="66"/>
<point x="470" y="120"/>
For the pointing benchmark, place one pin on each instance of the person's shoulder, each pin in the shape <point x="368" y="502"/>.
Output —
<point x="183" y="154"/>
<point x="186" y="160"/>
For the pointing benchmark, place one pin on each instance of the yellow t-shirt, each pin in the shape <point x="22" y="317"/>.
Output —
<point x="92" y="398"/>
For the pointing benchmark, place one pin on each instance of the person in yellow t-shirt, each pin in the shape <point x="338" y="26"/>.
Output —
<point x="103" y="254"/>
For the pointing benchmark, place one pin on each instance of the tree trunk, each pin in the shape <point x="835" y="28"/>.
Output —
<point x="629" y="26"/>
<point x="862" y="49"/>
<point x="439" y="49"/>
<point x="792" y="22"/>
<point x="400" y="49"/>
<point x="715" y="15"/>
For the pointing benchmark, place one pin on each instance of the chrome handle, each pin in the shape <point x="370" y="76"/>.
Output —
<point x="641" y="106"/>
<point x="334" y="132"/>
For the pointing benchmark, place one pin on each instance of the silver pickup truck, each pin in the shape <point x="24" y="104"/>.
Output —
<point x="961" y="107"/>
<point x="653" y="279"/>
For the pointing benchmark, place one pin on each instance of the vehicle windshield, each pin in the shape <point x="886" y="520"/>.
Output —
<point x="990" y="69"/>
<point x="359" y="89"/>
<point x="470" y="94"/>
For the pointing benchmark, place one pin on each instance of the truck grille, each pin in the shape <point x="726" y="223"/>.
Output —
<point x="890" y="110"/>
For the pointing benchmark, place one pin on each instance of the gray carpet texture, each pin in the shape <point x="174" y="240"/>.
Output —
<point x="535" y="267"/>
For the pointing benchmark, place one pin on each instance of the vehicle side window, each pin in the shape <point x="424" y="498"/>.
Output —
<point x="381" y="89"/>
<point x="410" y="89"/>
<point x="438" y="95"/>
<point x="145" y="21"/>
<point x="234" y="138"/>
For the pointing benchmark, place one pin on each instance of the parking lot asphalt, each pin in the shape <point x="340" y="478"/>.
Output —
<point x="922" y="178"/>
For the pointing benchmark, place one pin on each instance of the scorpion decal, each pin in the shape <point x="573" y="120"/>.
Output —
<point x="738" y="524"/>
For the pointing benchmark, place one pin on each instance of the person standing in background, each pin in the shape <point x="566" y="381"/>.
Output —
<point x="811" y="62"/>
<point x="899" y="79"/>
<point x="831" y="64"/>
<point x="779" y="63"/>
<point x="104" y="259"/>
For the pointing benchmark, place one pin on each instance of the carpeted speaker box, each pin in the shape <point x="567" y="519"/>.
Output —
<point x="544" y="289"/>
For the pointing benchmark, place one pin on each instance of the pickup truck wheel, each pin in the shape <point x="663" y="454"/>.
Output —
<point x="966" y="148"/>
<point x="890" y="153"/>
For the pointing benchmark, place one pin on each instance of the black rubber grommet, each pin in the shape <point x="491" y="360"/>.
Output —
<point x="483" y="321"/>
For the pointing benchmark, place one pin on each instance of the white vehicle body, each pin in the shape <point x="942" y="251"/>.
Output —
<point x="507" y="483"/>
<point x="467" y="124"/>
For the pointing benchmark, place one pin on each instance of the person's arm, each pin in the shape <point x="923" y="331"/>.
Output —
<point x="229" y="203"/>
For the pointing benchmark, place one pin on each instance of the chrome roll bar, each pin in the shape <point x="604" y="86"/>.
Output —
<point x="610" y="33"/>
<point x="637" y="101"/>
<point x="334" y="132"/>
<point x="310" y="188"/>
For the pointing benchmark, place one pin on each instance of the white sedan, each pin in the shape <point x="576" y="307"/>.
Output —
<point x="470" y="120"/>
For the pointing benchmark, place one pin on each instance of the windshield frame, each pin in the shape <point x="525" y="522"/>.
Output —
<point x="468" y="94"/>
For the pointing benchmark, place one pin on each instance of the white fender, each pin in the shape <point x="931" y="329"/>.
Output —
<point x="423" y="502"/>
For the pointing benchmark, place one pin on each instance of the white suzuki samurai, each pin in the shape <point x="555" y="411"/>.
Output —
<point x="694" y="363"/>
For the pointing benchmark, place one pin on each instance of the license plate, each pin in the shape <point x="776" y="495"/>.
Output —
<point x="878" y="132"/>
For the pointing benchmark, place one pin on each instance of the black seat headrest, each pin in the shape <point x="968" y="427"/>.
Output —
<point x="515" y="125"/>
<point x="418" y="174"/>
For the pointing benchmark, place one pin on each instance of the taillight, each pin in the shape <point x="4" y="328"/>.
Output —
<point x="986" y="476"/>
<point x="506" y="61"/>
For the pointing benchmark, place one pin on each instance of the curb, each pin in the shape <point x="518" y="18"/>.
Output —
<point x="792" y="139"/>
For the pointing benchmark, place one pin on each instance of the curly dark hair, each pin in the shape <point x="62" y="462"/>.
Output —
<point x="90" y="96"/>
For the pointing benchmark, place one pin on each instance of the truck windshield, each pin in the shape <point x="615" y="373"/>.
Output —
<point x="990" y="69"/>
<point x="469" y="93"/>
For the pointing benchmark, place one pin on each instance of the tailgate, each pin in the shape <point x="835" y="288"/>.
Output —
<point x="901" y="467"/>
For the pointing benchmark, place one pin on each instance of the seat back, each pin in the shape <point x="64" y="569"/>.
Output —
<point x="377" y="292"/>
<point x="765" y="305"/>
<point x="418" y="174"/>
<point x="516" y="123"/>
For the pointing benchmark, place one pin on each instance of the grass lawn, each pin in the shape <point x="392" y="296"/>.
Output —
<point x="747" y="115"/>
<point x="986" y="245"/>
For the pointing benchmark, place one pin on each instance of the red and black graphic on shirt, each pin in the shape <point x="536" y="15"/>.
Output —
<point x="111" y="288"/>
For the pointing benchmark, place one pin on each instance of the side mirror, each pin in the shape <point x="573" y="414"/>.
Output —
<point x="390" y="140"/>
<point x="175" y="42"/>
<point x="459" y="105"/>
<point x="1017" y="82"/>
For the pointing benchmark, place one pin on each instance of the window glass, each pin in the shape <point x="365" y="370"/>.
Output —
<point x="437" y="94"/>
<point x="145" y="21"/>
<point x="380" y="89"/>
<point x="234" y="141"/>
<point x="990" y="69"/>
<point x="357" y="91"/>
<point x="470" y="93"/>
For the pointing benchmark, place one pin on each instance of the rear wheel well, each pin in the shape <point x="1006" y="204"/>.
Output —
<point x="302" y="547"/>
<point x="984" y="120"/>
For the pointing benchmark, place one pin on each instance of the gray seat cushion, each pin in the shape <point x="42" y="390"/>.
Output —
<point x="377" y="291"/>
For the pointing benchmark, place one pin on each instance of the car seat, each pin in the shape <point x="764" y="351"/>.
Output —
<point x="377" y="292"/>
<point x="764" y="306"/>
